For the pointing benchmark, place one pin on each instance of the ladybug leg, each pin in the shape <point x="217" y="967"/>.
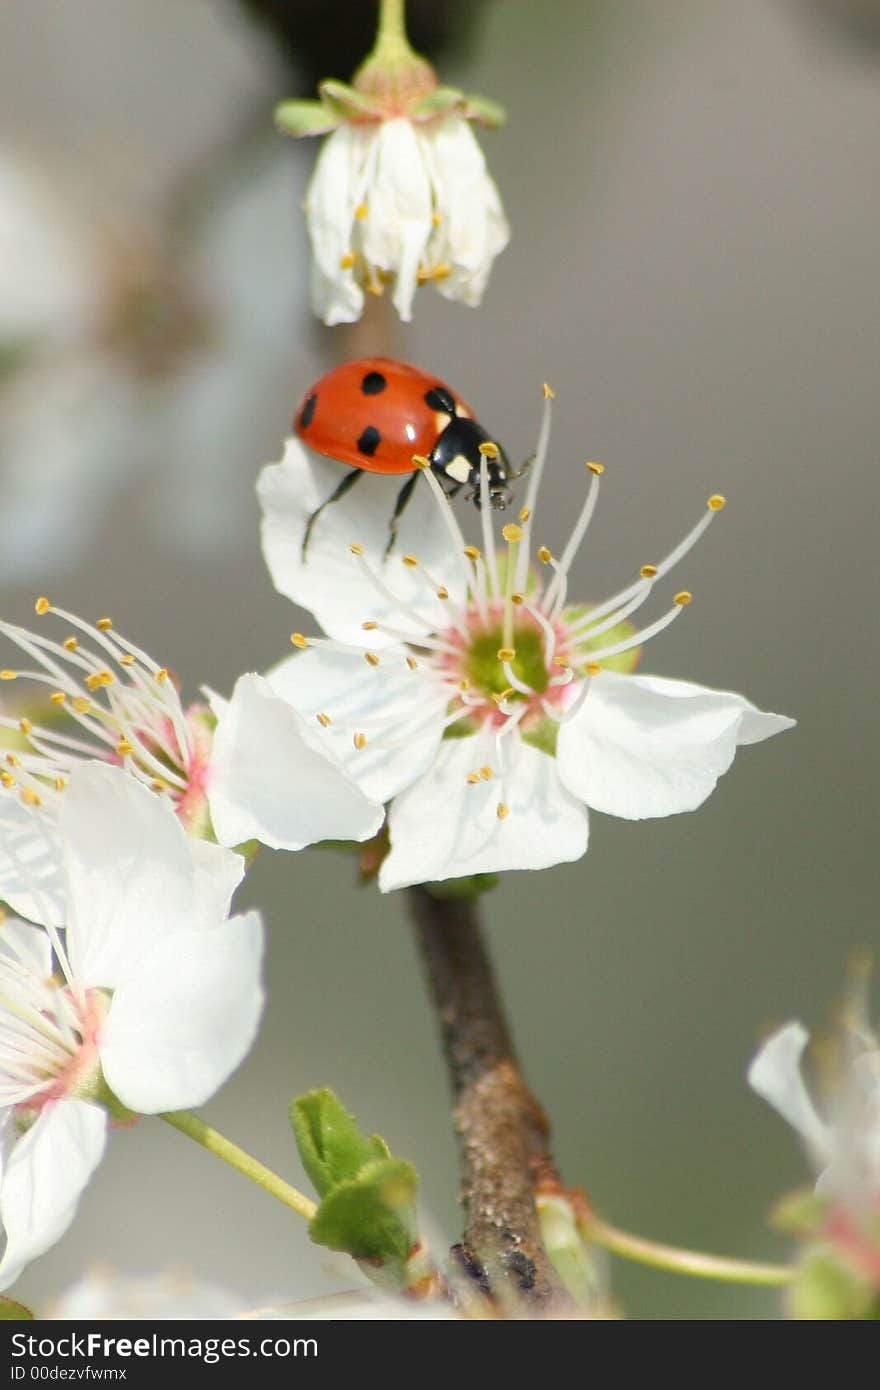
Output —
<point x="339" y="492"/>
<point x="523" y="468"/>
<point x="403" y="497"/>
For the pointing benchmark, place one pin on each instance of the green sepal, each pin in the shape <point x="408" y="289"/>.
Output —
<point x="331" y="1146"/>
<point x="372" y="1217"/>
<point x="471" y="887"/>
<point x="10" y="1311"/>
<point x="487" y="112"/>
<point x="441" y="102"/>
<point x="800" y="1213"/>
<point x="305" y="118"/>
<point x="827" y="1290"/>
<point x="347" y="103"/>
<point x="625" y="662"/>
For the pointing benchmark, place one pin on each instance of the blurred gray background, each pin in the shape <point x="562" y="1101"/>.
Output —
<point x="693" y="188"/>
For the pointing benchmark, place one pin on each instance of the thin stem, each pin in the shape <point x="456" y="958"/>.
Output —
<point x="502" y="1131"/>
<point x="678" y="1261"/>
<point x="392" y="21"/>
<point x="243" y="1162"/>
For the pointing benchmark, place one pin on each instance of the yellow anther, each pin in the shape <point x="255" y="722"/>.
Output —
<point x="544" y="555"/>
<point x="124" y="748"/>
<point x="410" y="561"/>
<point x="299" y="641"/>
<point x="30" y="797"/>
<point x="360" y="740"/>
<point x="360" y="211"/>
<point x="158" y="785"/>
<point x="517" y="599"/>
<point x="24" y="726"/>
<point x="371" y="658"/>
<point x="60" y="783"/>
<point x="7" y="780"/>
<point x="593" y="668"/>
<point x="423" y="274"/>
<point x="42" y="605"/>
<point x="436" y="219"/>
<point x="596" y="468"/>
<point x="716" y="502"/>
<point x="12" y="760"/>
<point x="512" y="533"/>
<point x="324" y="720"/>
<point x="370" y="626"/>
<point x="93" y="682"/>
<point x="57" y="697"/>
<point x="412" y="663"/>
<point x="162" y="675"/>
<point x="356" y="549"/>
<point x="500" y="698"/>
<point x="8" y="675"/>
<point x="473" y="778"/>
<point x="443" y="592"/>
<point x="420" y="461"/>
<point x="374" y="287"/>
<point x="489" y="450"/>
<point x="464" y="684"/>
<point x="106" y="677"/>
<point x="683" y="598"/>
<point x="506" y="654"/>
<point x="70" y="644"/>
<point x="486" y="773"/>
<point x="562" y="662"/>
<point x="502" y="810"/>
<point x="549" y="393"/>
<point x="524" y="514"/>
<point x="648" y="571"/>
<point x="81" y="705"/>
<point x="127" y="659"/>
<point x="472" y="552"/>
<point x="104" y="624"/>
<point x="347" y="261"/>
<point x="441" y="271"/>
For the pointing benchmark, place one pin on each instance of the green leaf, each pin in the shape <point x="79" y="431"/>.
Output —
<point x="305" y="118"/>
<point x="10" y="1311"/>
<point x="373" y="1216"/>
<point x="331" y="1145"/>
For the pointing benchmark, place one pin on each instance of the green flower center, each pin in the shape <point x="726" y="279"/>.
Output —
<point x="486" y="673"/>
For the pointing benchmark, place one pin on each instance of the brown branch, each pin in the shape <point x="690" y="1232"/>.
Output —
<point x="503" y="1133"/>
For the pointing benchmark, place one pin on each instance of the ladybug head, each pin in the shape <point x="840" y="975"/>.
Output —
<point x="458" y="457"/>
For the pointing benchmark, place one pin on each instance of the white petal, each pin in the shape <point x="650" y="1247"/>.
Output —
<point x="472" y="228"/>
<point x="19" y="941"/>
<point x="445" y="827"/>
<point x="218" y="872"/>
<point x="130" y="872"/>
<point x="334" y="193"/>
<point x="44" y="1175"/>
<point x="31" y="864"/>
<point x="401" y="714"/>
<point x="331" y="583"/>
<point x="180" y="1028"/>
<point x="398" y="224"/>
<point x="106" y="1295"/>
<point x="643" y="746"/>
<point x="775" y="1073"/>
<point x="273" y="779"/>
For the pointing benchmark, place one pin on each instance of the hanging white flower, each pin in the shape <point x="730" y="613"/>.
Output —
<point x="107" y="1295"/>
<point x="481" y="702"/>
<point x="401" y="193"/>
<point x="155" y="1002"/>
<point x="250" y="768"/>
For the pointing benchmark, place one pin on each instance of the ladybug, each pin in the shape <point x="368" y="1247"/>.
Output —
<point x="376" y="414"/>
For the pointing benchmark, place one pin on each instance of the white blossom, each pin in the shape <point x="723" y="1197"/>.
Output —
<point x="155" y="1002"/>
<point x="406" y="201"/>
<point x="250" y="768"/>
<point x="477" y="700"/>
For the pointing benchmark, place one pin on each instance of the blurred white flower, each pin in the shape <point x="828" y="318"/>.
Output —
<point x="132" y="355"/>
<point x="480" y="702"/>
<point x="250" y="768"/>
<point x="842" y="1131"/>
<point x="395" y="200"/>
<point x="106" y="1295"/>
<point x="157" y="999"/>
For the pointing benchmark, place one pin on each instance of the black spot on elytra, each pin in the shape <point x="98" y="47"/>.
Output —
<point x="308" y="411"/>
<point x="373" y="384"/>
<point x="369" y="440"/>
<point x="438" y="398"/>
